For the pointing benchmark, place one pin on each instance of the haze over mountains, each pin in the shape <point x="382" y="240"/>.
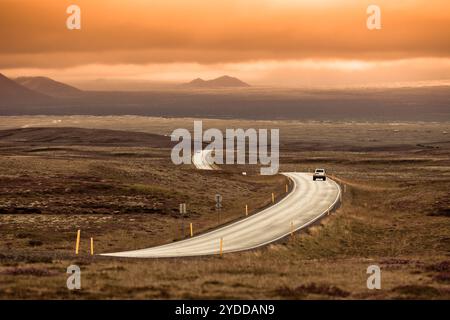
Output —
<point x="13" y="93"/>
<point x="216" y="100"/>
<point x="48" y="86"/>
<point x="221" y="82"/>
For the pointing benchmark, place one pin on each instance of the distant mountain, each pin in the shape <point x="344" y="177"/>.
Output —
<point x="221" y="82"/>
<point x="48" y="86"/>
<point x="13" y="93"/>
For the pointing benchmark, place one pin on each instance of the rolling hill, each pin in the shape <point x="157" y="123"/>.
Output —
<point x="12" y="93"/>
<point x="48" y="86"/>
<point x="221" y="82"/>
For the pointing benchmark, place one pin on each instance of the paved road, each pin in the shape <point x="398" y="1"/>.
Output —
<point x="307" y="202"/>
<point x="201" y="160"/>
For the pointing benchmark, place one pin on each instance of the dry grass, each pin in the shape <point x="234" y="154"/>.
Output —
<point x="394" y="215"/>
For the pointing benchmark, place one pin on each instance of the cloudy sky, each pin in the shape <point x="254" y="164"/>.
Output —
<point x="264" y="42"/>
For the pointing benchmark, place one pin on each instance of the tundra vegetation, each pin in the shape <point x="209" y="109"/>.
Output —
<point x="119" y="186"/>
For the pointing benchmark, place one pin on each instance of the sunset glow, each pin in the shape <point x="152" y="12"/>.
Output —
<point x="295" y="42"/>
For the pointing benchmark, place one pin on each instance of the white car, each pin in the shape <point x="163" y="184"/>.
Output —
<point x="319" y="174"/>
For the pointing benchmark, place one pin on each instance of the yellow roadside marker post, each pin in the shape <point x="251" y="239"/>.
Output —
<point x="221" y="246"/>
<point x="77" y="245"/>
<point x="273" y="198"/>
<point x="287" y="188"/>
<point x="92" y="246"/>
<point x="246" y="210"/>
<point x="192" y="232"/>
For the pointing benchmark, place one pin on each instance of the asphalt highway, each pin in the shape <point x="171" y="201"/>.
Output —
<point x="307" y="201"/>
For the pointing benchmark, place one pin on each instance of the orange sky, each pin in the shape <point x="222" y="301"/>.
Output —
<point x="274" y="42"/>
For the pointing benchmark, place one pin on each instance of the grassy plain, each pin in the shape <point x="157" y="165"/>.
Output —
<point x="122" y="189"/>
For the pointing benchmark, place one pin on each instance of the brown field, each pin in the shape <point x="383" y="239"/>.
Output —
<point x="121" y="188"/>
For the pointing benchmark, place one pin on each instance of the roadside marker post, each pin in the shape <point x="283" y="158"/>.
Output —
<point x="292" y="229"/>
<point x="192" y="232"/>
<point x="77" y="245"/>
<point x="92" y="246"/>
<point x="273" y="197"/>
<point x="287" y="188"/>
<point x="246" y="210"/>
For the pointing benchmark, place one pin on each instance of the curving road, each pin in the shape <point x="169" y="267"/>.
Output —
<point x="308" y="201"/>
<point x="202" y="160"/>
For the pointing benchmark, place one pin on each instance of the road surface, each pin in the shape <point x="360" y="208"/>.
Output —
<point x="308" y="201"/>
<point x="202" y="160"/>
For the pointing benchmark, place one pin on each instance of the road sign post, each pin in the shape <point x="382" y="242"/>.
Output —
<point x="218" y="199"/>
<point x="182" y="213"/>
